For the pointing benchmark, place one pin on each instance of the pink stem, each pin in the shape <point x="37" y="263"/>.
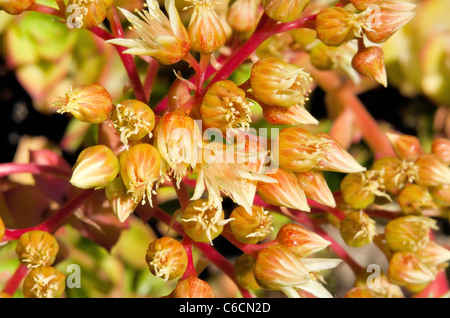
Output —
<point x="33" y="168"/>
<point x="15" y="280"/>
<point x="150" y="77"/>
<point x="337" y="213"/>
<point x="47" y="10"/>
<point x="190" y="269"/>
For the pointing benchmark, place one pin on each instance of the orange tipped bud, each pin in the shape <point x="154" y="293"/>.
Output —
<point x="141" y="170"/>
<point x="91" y="103"/>
<point x="441" y="148"/>
<point x="193" y="287"/>
<point x="244" y="267"/>
<point x="121" y="202"/>
<point x="44" y="282"/>
<point x="15" y="6"/>
<point x="413" y="199"/>
<point x="294" y="115"/>
<point x="205" y="29"/>
<point x="357" y="229"/>
<point x="370" y="62"/>
<point x="285" y="10"/>
<point x="243" y="15"/>
<point x="359" y="292"/>
<point x="406" y="146"/>
<point x="203" y="222"/>
<point x="250" y="228"/>
<point x="90" y="13"/>
<point x="441" y="195"/>
<point x="432" y="171"/>
<point x="408" y="233"/>
<point x="225" y="106"/>
<point x="336" y="26"/>
<point x="285" y="192"/>
<point x="433" y="254"/>
<point x="133" y="120"/>
<point x="166" y="258"/>
<point x="315" y="186"/>
<point x="300" y="241"/>
<point x="406" y="269"/>
<point x="36" y="249"/>
<point x="96" y="167"/>
<point x="278" y="83"/>
<point x="396" y="173"/>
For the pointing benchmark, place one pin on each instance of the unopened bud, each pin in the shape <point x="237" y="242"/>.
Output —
<point x="406" y="269"/>
<point x="433" y="254"/>
<point x="432" y="171"/>
<point x="15" y="7"/>
<point x="285" y="10"/>
<point x="278" y="83"/>
<point x="193" y="287"/>
<point x="441" y="148"/>
<point x="357" y="229"/>
<point x="301" y="241"/>
<point x="133" y="120"/>
<point x="370" y="62"/>
<point x="441" y="195"/>
<point x="95" y="167"/>
<point x="205" y="29"/>
<point x="244" y="267"/>
<point x="44" y="282"/>
<point x="406" y="146"/>
<point x="166" y="258"/>
<point x="336" y="26"/>
<point x="250" y="228"/>
<point x="413" y="199"/>
<point x="359" y="292"/>
<point x="91" y="103"/>
<point x="285" y="192"/>
<point x="36" y="249"/>
<point x="243" y="15"/>
<point x="225" y="106"/>
<point x="293" y="115"/>
<point x="121" y="202"/>
<point x="315" y="186"/>
<point x="408" y="233"/>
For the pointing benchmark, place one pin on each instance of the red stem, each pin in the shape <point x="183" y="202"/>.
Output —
<point x="152" y="71"/>
<point x="15" y="280"/>
<point x="47" y="10"/>
<point x="190" y="269"/>
<point x="12" y="168"/>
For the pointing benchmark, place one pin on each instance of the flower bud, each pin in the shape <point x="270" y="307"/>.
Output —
<point x="359" y="292"/>
<point x="322" y="56"/>
<point x="432" y="171"/>
<point x="121" y="202"/>
<point x="300" y="241"/>
<point x="37" y="248"/>
<point x="441" y="148"/>
<point x="141" y="169"/>
<point x="193" y="287"/>
<point x="2" y="229"/>
<point x="293" y="115"/>
<point x="91" y="103"/>
<point x="133" y="120"/>
<point x="285" y="192"/>
<point x="285" y="10"/>
<point x="433" y="254"/>
<point x="244" y="267"/>
<point x="357" y="229"/>
<point x="278" y="83"/>
<point x="225" y="106"/>
<point x="408" y="233"/>
<point x="15" y="7"/>
<point x="243" y="15"/>
<point x="413" y="199"/>
<point x="250" y="228"/>
<point x="95" y="167"/>
<point x="370" y="62"/>
<point x="202" y="222"/>
<point x="44" y="282"/>
<point x="441" y="195"/>
<point x="205" y="29"/>
<point x="315" y="186"/>
<point x="406" y="146"/>
<point x="406" y="269"/>
<point x="90" y="13"/>
<point x="396" y="173"/>
<point x="166" y="258"/>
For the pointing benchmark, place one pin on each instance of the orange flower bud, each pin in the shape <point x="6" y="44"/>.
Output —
<point x="44" y="282"/>
<point x="406" y="269"/>
<point x="278" y="83"/>
<point x="396" y="173"/>
<point x="15" y="6"/>
<point x="202" y="222"/>
<point x="90" y="13"/>
<point x="433" y="254"/>
<point x="285" y="10"/>
<point x="441" y="195"/>
<point x="166" y="258"/>
<point x="359" y="292"/>
<point x="133" y="120"/>
<point x="193" y="287"/>
<point x="413" y="199"/>
<point x="370" y="62"/>
<point x="315" y="186"/>
<point x="91" y="103"/>
<point x="441" y="148"/>
<point x="406" y="146"/>
<point x="250" y="228"/>
<point x="408" y="233"/>
<point x="300" y="241"/>
<point x="432" y="171"/>
<point x="285" y="192"/>
<point x="243" y="15"/>
<point x="244" y="267"/>
<point x="2" y="229"/>
<point x="357" y="229"/>
<point x="293" y="115"/>
<point x="37" y="248"/>
<point x="225" y="106"/>
<point x="205" y="29"/>
<point x="121" y="202"/>
<point x="96" y="167"/>
<point x="141" y="169"/>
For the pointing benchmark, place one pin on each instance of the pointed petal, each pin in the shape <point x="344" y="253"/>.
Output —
<point x="320" y="264"/>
